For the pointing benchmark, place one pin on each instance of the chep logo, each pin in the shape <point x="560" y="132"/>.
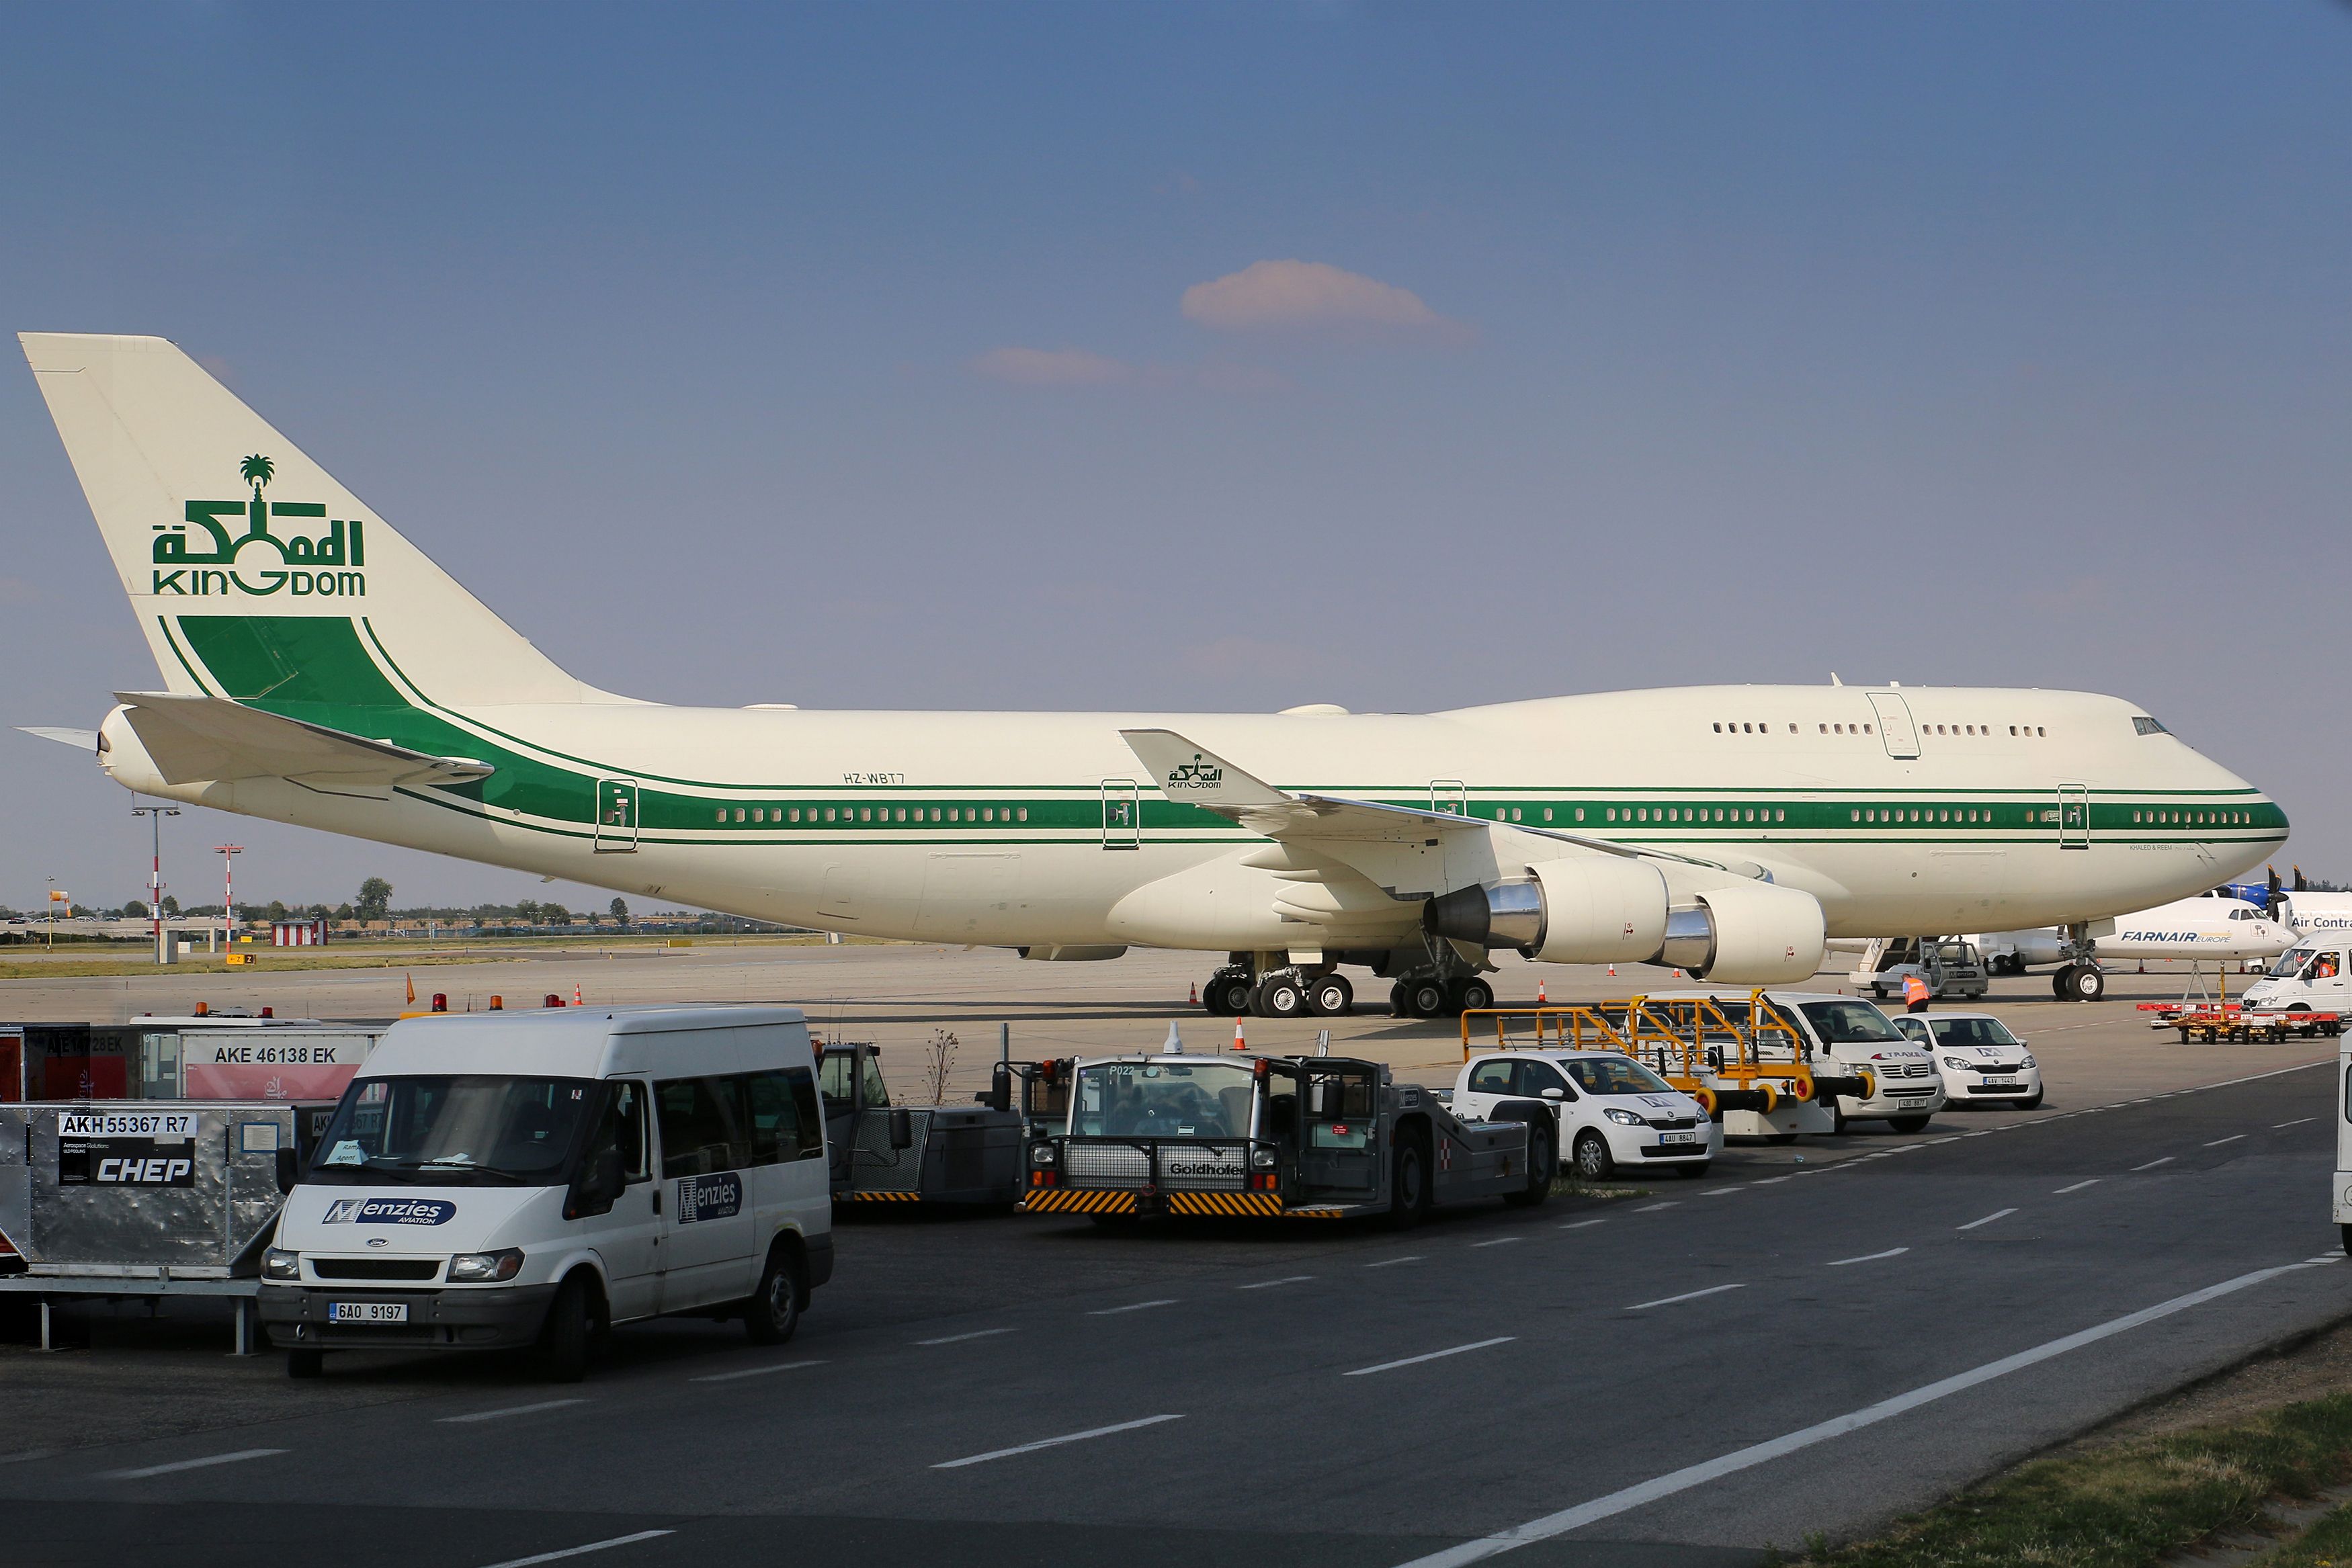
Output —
<point x="1196" y="774"/>
<point x="298" y="565"/>
<point x="389" y="1212"/>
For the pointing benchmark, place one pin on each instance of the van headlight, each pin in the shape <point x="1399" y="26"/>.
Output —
<point x="2027" y="1062"/>
<point x="484" y="1268"/>
<point x="1625" y="1118"/>
<point x="1955" y="1064"/>
<point x="280" y="1264"/>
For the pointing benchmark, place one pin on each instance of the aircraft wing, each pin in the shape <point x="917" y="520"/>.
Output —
<point x="192" y="740"/>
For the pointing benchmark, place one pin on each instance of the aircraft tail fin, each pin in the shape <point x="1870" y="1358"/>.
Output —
<point x="253" y="574"/>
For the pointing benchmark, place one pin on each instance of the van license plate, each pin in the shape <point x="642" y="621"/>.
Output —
<point x="1677" y="1137"/>
<point x="367" y="1312"/>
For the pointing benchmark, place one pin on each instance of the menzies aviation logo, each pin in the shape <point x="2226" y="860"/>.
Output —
<point x="1196" y="775"/>
<point x="295" y="559"/>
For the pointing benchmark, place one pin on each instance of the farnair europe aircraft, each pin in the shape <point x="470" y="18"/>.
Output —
<point x="320" y="669"/>
<point x="2207" y="927"/>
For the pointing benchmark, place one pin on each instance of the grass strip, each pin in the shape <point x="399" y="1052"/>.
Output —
<point x="2327" y="1545"/>
<point x="2125" y="1504"/>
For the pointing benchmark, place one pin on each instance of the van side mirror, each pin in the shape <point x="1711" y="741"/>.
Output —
<point x="598" y="1188"/>
<point x="1555" y="1092"/>
<point x="902" y="1128"/>
<point x="290" y="1169"/>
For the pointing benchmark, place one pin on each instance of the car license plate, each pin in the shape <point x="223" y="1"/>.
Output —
<point x="1678" y="1137"/>
<point x="367" y="1312"/>
<point x="2004" y="1083"/>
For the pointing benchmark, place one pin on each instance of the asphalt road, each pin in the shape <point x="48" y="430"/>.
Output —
<point x="1675" y="1378"/>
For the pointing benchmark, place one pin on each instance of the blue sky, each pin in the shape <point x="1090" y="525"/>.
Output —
<point x="879" y="355"/>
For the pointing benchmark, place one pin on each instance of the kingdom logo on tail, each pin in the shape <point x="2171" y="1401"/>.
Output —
<point x="305" y="565"/>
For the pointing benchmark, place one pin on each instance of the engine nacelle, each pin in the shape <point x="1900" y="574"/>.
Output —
<point x="1594" y="909"/>
<point x="1750" y="933"/>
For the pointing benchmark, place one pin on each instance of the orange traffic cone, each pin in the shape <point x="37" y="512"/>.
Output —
<point x="1195" y="997"/>
<point x="1239" y="1043"/>
<point x="575" y="996"/>
<point x="412" y="989"/>
<point x="1541" y="998"/>
<point x="1612" y="971"/>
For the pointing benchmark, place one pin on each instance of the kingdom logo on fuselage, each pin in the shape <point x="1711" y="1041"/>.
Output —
<point x="331" y="565"/>
<point x="389" y="1212"/>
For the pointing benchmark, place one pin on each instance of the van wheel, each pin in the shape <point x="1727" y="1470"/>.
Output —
<point x="305" y="1363"/>
<point x="1694" y="1170"/>
<point x="571" y="1331"/>
<point x="1543" y="1167"/>
<point x="1907" y="1123"/>
<point x="1409" y="1185"/>
<point x="774" y="1310"/>
<point x="1837" y="1117"/>
<point x="1592" y="1161"/>
<point x="2032" y="1104"/>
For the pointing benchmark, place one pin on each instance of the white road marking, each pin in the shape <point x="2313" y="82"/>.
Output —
<point x="26" y="1456"/>
<point x="2230" y="1139"/>
<point x="579" y="1551"/>
<point x="1718" y="1191"/>
<point x="731" y="1376"/>
<point x="1653" y="1207"/>
<point x="1870" y="1257"/>
<point x="2298" y="1121"/>
<point x="1953" y="1139"/>
<point x="1432" y="1355"/>
<point x="1681" y="1480"/>
<point x="523" y="1409"/>
<point x="1409" y="1258"/>
<point x="2153" y="1164"/>
<point x="1988" y="1219"/>
<point x="1131" y="1307"/>
<point x="943" y="1339"/>
<point x="1499" y="1241"/>
<point x="1576" y="1225"/>
<point x="2078" y="1186"/>
<point x="209" y="1459"/>
<point x="1270" y="1284"/>
<point x="1053" y="1442"/>
<point x="1685" y="1296"/>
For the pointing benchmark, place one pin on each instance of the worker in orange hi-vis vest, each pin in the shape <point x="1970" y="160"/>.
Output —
<point x="1916" y="992"/>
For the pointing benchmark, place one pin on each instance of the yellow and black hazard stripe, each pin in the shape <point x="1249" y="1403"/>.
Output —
<point x="1076" y="1200"/>
<point x="877" y="1198"/>
<point x="1323" y="1212"/>
<point x="1223" y="1203"/>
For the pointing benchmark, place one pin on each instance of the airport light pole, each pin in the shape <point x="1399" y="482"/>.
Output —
<point x="155" y="815"/>
<point x="228" y="853"/>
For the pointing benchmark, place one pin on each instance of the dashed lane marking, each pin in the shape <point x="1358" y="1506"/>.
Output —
<point x="2230" y="1139"/>
<point x="1988" y="1219"/>
<point x="1499" y="1241"/>
<point x="948" y="1339"/>
<point x="507" y="1410"/>
<point x="1270" y="1284"/>
<point x="2078" y="1186"/>
<point x="582" y="1551"/>
<point x="729" y="1376"/>
<point x="2153" y="1164"/>
<point x="1685" y="1296"/>
<point x="143" y="1471"/>
<point x="1132" y="1307"/>
<point x="1053" y="1442"/>
<point x="1870" y="1257"/>
<point x="1668" y="1485"/>
<point x="1580" y="1223"/>
<point x="1653" y="1207"/>
<point x="1432" y="1355"/>
<point x="1408" y="1258"/>
<point x="2298" y="1121"/>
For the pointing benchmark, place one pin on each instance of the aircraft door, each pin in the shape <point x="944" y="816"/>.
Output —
<point x="1122" y="807"/>
<point x="1449" y="795"/>
<point x="1895" y="726"/>
<point x="616" y="816"/>
<point x="2074" y="817"/>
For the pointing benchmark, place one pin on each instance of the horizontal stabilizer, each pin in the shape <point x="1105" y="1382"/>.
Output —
<point x="85" y="738"/>
<point x="192" y="740"/>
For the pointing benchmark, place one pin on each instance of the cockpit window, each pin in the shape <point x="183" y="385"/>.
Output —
<point x="2143" y="725"/>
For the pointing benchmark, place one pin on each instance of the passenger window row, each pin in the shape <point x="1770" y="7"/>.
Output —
<point x="2194" y="818"/>
<point x="818" y="815"/>
<point x="737" y="1122"/>
<point x="1697" y="814"/>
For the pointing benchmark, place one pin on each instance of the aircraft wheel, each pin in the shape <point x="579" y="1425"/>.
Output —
<point x="1473" y="994"/>
<point x="1279" y="996"/>
<point x="1228" y="996"/>
<point x="1332" y="997"/>
<point x="2058" y="982"/>
<point x="1426" y="999"/>
<point x="1400" y="1001"/>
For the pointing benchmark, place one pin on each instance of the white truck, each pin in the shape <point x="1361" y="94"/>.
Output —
<point x="1611" y="1112"/>
<point x="522" y="1179"/>
<point x="2314" y="976"/>
<point x="1847" y="1038"/>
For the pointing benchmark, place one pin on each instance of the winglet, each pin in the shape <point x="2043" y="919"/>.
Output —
<point x="1184" y="770"/>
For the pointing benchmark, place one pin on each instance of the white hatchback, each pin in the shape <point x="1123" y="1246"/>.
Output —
<point x="1978" y="1058"/>
<point x="1613" y="1112"/>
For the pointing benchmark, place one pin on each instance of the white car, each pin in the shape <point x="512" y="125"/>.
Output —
<point x="1612" y="1111"/>
<point x="1980" y="1060"/>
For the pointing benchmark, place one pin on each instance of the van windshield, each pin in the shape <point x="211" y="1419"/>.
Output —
<point x="1163" y="1100"/>
<point x="453" y="1130"/>
<point x="2291" y="962"/>
<point x="1851" y="1023"/>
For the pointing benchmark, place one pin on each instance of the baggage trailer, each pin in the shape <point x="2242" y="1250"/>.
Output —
<point x="1322" y="1137"/>
<point x="881" y="1153"/>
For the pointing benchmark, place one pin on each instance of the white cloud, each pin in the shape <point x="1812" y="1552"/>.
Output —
<point x="1314" y="296"/>
<point x="1052" y="368"/>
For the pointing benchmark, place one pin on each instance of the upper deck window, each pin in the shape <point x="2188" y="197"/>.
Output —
<point x="2143" y="725"/>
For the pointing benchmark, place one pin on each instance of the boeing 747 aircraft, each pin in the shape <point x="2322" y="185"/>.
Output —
<point x="318" y="669"/>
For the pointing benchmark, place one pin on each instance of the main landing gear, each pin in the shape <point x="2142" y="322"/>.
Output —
<point x="1288" y="992"/>
<point x="1432" y="996"/>
<point x="1427" y="985"/>
<point x="2079" y="978"/>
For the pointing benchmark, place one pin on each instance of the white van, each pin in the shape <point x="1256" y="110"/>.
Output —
<point x="512" y="1179"/>
<point x="1846" y="1033"/>
<point x="2313" y="975"/>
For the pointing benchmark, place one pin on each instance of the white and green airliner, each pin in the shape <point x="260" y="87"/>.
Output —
<point x="318" y="669"/>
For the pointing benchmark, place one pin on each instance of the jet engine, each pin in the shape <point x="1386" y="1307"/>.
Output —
<point x="1607" y="911"/>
